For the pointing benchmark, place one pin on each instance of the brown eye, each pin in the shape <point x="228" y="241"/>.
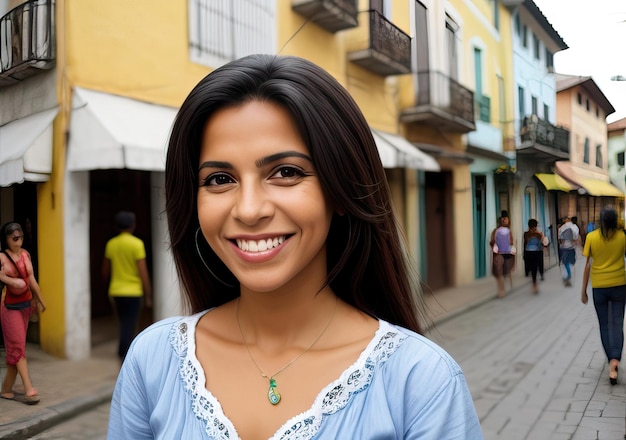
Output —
<point x="217" y="179"/>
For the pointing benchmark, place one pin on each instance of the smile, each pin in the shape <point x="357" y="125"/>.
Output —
<point x="260" y="245"/>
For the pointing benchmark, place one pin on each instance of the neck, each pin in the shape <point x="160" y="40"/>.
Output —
<point x="273" y="321"/>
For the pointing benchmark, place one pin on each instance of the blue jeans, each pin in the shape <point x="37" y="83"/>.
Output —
<point x="568" y="258"/>
<point x="609" y="303"/>
<point x="128" y="309"/>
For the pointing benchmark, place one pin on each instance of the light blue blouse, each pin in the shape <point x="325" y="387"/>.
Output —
<point x="403" y="386"/>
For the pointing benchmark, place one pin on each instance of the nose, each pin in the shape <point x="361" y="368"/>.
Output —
<point x="252" y="203"/>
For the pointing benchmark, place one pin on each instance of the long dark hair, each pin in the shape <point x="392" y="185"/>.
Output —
<point x="366" y="253"/>
<point x="608" y="222"/>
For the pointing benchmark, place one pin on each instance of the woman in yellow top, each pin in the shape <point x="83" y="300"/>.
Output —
<point x="605" y="249"/>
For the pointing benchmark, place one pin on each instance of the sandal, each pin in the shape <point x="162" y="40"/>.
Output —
<point x="8" y="396"/>
<point x="31" y="400"/>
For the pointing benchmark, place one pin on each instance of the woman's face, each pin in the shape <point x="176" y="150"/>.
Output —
<point x="260" y="203"/>
<point x="15" y="240"/>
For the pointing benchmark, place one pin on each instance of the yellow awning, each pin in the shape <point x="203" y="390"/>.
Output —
<point x="554" y="182"/>
<point x="600" y="188"/>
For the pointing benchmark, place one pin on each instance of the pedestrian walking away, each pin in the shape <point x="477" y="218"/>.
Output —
<point x="306" y="320"/>
<point x="129" y="286"/>
<point x="22" y="297"/>
<point x="605" y="249"/>
<point x="568" y="238"/>
<point x="534" y="242"/>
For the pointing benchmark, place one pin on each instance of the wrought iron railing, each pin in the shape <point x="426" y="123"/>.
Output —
<point x="439" y="90"/>
<point x="27" y="38"/>
<point x="389" y="40"/>
<point x="542" y="132"/>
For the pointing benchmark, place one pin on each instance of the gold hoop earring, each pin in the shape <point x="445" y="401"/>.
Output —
<point x="206" y="265"/>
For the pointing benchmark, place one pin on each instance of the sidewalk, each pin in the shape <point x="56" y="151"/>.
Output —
<point x="68" y="388"/>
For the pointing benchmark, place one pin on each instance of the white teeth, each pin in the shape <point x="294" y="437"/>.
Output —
<point x="260" y="245"/>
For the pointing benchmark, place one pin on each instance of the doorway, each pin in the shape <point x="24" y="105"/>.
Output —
<point x="479" y="185"/>
<point x="438" y="201"/>
<point x="112" y="191"/>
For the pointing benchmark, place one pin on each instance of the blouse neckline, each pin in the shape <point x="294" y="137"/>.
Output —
<point x="332" y="398"/>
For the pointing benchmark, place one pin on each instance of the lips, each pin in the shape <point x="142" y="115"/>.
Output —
<point x="260" y="245"/>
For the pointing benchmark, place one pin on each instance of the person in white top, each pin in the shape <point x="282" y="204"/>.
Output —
<point x="568" y="239"/>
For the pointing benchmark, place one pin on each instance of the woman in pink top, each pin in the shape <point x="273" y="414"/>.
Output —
<point x="22" y="288"/>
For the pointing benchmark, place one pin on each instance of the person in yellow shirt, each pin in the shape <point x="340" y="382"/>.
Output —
<point x="125" y="263"/>
<point x="605" y="249"/>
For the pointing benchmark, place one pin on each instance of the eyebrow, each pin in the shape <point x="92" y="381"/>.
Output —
<point x="260" y="162"/>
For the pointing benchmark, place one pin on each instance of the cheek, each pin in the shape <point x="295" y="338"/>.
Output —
<point x="210" y="213"/>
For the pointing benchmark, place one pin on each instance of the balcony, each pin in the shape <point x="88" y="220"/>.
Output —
<point x="443" y="103"/>
<point x="27" y="41"/>
<point x="543" y="140"/>
<point x="388" y="51"/>
<point x="332" y="15"/>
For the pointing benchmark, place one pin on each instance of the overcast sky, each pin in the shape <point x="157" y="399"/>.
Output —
<point x="595" y="31"/>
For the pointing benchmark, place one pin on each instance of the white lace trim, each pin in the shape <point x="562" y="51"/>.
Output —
<point x="304" y="426"/>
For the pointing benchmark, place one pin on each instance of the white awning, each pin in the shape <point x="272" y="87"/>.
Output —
<point x="26" y="148"/>
<point x="114" y="132"/>
<point x="397" y="152"/>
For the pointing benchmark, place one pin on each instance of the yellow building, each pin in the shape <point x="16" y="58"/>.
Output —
<point x="484" y="37"/>
<point x="109" y="94"/>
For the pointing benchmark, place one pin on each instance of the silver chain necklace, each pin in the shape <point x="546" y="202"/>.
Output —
<point x="272" y="393"/>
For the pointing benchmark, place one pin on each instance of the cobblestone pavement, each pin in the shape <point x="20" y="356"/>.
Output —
<point x="535" y="365"/>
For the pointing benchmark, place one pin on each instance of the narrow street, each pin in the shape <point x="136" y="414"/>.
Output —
<point x="535" y="365"/>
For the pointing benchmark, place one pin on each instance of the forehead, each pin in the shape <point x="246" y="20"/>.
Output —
<point x="254" y="124"/>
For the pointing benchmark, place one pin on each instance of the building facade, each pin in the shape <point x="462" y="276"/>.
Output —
<point x="108" y="96"/>
<point x="539" y="142"/>
<point x="582" y="108"/>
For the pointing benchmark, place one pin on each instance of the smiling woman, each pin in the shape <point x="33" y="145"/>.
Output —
<point x="305" y="316"/>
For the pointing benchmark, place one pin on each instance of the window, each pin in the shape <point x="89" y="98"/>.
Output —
<point x="521" y="102"/>
<point x="518" y="24"/>
<point x="536" y="46"/>
<point x="620" y="158"/>
<point x="549" y="61"/>
<point x="422" y="52"/>
<point x="599" y="156"/>
<point x="524" y="36"/>
<point x="580" y="98"/>
<point x="546" y="112"/>
<point x="496" y="14"/>
<point x="383" y="7"/>
<point x="223" y="30"/>
<point x="451" y="28"/>
<point x="534" y="105"/>
<point x="586" y="151"/>
<point x="597" y="112"/>
<point x="587" y="104"/>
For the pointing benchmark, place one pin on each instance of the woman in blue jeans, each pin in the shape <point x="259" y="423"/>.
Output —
<point x="605" y="249"/>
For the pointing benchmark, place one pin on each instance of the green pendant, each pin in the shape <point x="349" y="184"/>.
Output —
<point x="272" y="394"/>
